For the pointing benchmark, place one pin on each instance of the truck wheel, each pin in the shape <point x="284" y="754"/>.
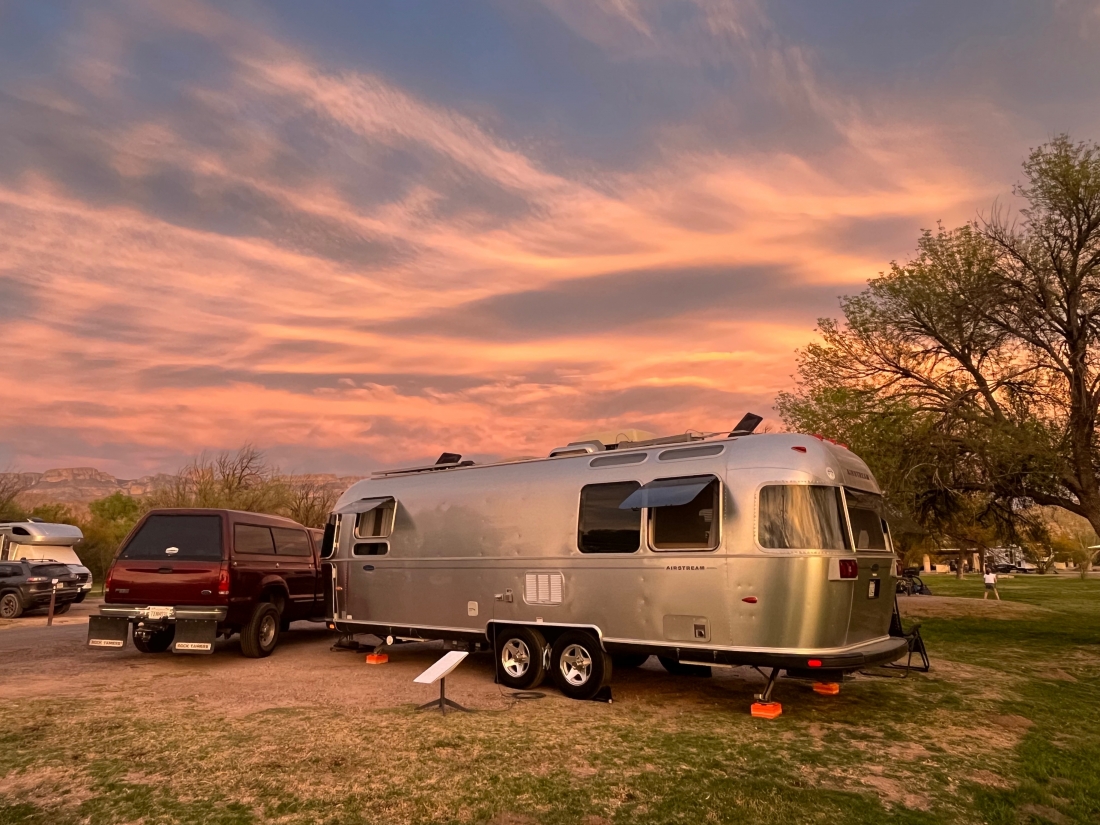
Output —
<point x="62" y="608"/>
<point x="521" y="652"/>
<point x="261" y="634"/>
<point x="628" y="660"/>
<point x="11" y="606"/>
<point x="156" y="642"/>
<point x="680" y="669"/>
<point x="580" y="666"/>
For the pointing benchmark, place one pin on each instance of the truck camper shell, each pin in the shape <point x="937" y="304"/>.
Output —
<point x="768" y="550"/>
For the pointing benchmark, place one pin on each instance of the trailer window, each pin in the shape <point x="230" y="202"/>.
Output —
<point x="691" y="526"/>
<point x="866" y="513"/>
<point x="328" y="543"/>
<point x="190" y="537"/>
<point x="376" y="523"/>
<point x="802" y="517"/>
<point x="603" y="527"/>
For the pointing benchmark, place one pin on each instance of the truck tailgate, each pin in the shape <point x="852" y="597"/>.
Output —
<point x="165" y="583"/>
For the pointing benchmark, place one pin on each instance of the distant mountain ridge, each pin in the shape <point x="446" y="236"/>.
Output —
<point x="77" y="486"/>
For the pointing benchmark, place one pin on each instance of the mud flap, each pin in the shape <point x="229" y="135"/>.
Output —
<point x="107" y="631"/>
<point x="195" y="636"/>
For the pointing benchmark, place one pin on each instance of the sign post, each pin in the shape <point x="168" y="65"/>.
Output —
<point x="53" y="600"/>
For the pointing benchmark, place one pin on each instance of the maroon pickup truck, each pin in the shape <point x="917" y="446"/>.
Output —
<point x="184" y="577"/>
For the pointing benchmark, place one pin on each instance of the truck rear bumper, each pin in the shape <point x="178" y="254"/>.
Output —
<point x="141" y="612"/>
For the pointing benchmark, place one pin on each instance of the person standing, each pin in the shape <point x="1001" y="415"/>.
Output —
<point x="990" y="579"/>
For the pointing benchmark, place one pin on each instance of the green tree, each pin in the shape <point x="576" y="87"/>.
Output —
<point x="969" y="376"/>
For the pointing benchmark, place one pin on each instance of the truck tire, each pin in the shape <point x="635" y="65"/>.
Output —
<point x="11" y="606"/>
<point x="521" y="656"/>
<point x="677" y="668"/>
<point x="62" y="608"/>
<point x="261" y="634"/>
<point x="156" y="642"/>
<point x="580" y="666"/>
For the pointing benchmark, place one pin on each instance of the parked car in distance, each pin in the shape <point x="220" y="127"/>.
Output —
<point x="34" y="539"/>
<point x="184" y="577"/>
<point x="26" y="584"/>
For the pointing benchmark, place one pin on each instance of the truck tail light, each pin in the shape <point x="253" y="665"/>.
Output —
<point x="110" y="578"/>
<point x="849" y="569"/>
<point x="223" y="581"/>
<point x="36" y="579"/>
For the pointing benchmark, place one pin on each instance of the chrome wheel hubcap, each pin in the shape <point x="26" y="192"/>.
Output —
<point x="576" y="665"/>
<point x="515" y="658"/>
<point x="267" y="631"/>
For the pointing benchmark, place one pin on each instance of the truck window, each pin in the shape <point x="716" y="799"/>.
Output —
<point x="253" y="539"/>
<point x="289" y="542"/>
<point x="191" y="537"/>
<point x="602" y="526"/>
<point x="866" y="513"/>
<point x="50" y="570"/>
<point x="801" y="517"/>
<point x="691" y="526"/>
<point x="376" y="523"/>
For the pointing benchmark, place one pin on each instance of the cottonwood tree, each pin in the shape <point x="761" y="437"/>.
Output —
<point x="984" y="352"/>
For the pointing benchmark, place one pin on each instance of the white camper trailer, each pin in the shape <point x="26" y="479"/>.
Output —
<point x="765" y="550"/>
<point x="45" y="541"/>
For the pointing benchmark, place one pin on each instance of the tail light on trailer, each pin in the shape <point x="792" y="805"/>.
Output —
<point x="223" y="580"/>
<point x="849" y="569"/>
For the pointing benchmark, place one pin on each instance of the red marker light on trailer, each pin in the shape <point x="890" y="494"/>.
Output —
<point x="749" y="599"/>
<point x="799" y="449"/>
<point x="849" y="569"/>
<point x="814" y="663"/>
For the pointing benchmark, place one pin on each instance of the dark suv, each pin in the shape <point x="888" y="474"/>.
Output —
<point x="25" y="584"/>
<point x="184" y="577"/>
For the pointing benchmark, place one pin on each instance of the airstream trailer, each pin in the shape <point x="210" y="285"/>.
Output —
<point x="768" y="550"/>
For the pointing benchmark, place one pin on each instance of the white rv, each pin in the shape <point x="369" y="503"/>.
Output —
<point x="765" y="550"/>
<point x="49" y="542"/>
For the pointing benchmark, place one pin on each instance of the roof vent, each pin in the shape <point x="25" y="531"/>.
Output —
<point x="748" y="423"/>
<point x="578" y="448"/>
<point x="448" y="458"/>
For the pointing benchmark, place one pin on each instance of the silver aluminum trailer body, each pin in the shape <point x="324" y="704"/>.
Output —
<point x="469" y="550"/>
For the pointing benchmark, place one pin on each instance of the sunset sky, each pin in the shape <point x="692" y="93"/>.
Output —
<point x="358" y="234"/>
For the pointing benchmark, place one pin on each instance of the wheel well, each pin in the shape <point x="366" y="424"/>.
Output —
<point x="276" y="595"/>
<point x="550" y="632"/>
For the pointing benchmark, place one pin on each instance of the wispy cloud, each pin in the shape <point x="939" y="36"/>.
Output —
<point x="212" y="235"/>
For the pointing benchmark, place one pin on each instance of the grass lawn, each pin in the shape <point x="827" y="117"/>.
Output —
<point x="1006" y="729"/>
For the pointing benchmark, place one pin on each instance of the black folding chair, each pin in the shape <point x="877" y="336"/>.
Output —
<point x="913" y="637"/>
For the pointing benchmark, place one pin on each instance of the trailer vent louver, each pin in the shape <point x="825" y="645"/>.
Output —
<point x="542" y="588"/>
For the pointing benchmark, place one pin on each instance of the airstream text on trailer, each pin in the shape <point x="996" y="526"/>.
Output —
<point x="768" y="550"/>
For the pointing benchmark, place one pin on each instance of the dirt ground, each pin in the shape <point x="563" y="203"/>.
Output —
<point x="55" y="663"/>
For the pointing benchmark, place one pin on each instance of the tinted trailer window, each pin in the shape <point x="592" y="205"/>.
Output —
<point x="605" y="528"/>
<point x="802" y="517"/>
<point x="164" y="537"/>
<point x="866" y="513"/>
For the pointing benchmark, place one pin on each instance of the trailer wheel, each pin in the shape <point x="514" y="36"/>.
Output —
<point x="521" y="652"/>
<point x="156" y="642"/>
<point x="261" y="634"/>
<point x="11" y="606"/>
<point x="581" y="667"/>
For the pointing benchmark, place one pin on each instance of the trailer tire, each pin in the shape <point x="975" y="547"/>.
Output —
<point x="156" y="642"/>
<point x="11" y="606"/>
<point x="261" y="634"/>
<point x="677" y="668"/>
<point x="629" y="660"/>
<point x="521" y="653"/>
<point x="580" y="666"/>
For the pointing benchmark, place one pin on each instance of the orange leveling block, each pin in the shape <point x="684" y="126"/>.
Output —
<point x="377" y="658"/>
<point x="827" y="688"/>
<point x="766" y="710"/>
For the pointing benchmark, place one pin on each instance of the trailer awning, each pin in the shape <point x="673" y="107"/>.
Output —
<point x="363" y="505"/>
<point x="666" y="492"/>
